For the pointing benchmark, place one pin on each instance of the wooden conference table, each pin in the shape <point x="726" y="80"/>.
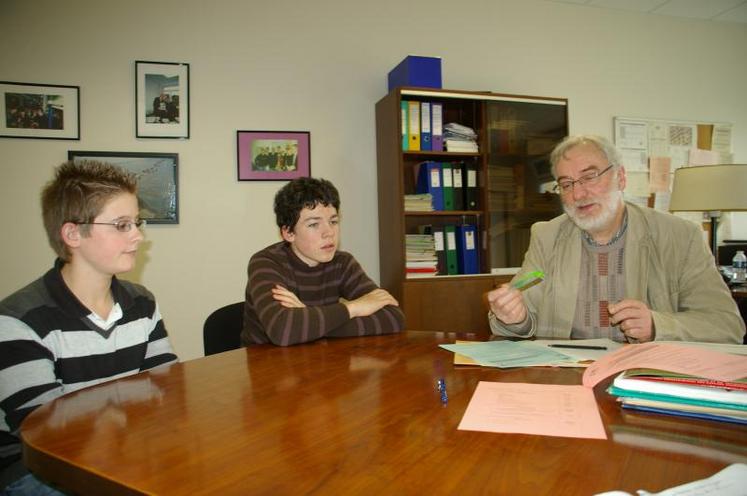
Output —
<point x="348" y="416"/>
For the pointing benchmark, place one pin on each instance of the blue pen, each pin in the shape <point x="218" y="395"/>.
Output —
<point x="442" y="389"/>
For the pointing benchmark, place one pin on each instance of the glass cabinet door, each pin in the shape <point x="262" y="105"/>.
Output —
<point x="519" y="189"/>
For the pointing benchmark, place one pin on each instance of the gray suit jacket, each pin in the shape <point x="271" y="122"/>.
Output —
<point x="667" y="265"/>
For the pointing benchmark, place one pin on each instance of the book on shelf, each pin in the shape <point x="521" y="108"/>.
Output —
<point x="420" y="256"/>
<point x="419" y="203"/>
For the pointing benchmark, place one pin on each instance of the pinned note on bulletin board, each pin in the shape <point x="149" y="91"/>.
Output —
<point x="652" y="149"/>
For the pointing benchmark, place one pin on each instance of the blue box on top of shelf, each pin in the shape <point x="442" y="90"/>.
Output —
<point x="418" y="71"/>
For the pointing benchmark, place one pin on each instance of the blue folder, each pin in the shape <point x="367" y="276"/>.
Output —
<point x="425" y="127"/>
<point x="430" y="181"/>
<point x="467" y="249"/>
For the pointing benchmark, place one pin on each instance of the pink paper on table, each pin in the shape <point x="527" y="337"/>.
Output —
<point x="689" y="360"/>
<point x="543" y="409"/>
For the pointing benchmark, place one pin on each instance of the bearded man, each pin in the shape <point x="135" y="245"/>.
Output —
<point x="614" y="269"/>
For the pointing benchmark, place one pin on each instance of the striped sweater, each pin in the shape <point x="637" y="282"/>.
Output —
<point x="319" y="288"/>
<point x="50" y="344"/>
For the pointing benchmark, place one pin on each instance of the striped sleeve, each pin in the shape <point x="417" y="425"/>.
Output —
<point x="158" y="350"/>
<point x="27" y="373"/>
<point x="287" y="326"/>
<point x="356" y="284"/>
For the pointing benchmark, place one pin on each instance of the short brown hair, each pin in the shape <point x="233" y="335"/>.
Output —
<point x="78" y="193"/>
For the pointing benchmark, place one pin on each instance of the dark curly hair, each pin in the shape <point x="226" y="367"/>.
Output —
<point x="305" y="192"/>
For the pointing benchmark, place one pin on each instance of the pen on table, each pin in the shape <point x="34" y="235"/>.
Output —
<point x="442" y="389"/>
<point x="577" y="346"/>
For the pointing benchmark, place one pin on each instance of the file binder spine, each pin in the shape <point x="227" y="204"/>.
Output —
<point x="429" y="181"/>
<point x="467" y="258"/>
<point x="438" y="241"/>
<point x="448" y="185"/>
<point x="404" y="111"/>
<point x="425" y="126"/>
<point x="470" y="192"/>
<point x="452" y="267"/>
<point x="437" y="127"/>
<point x="457" y="172"/>
<point x="414" y="128"/>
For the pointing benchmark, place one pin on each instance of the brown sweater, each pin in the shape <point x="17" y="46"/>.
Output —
<point x="319" y="288"/>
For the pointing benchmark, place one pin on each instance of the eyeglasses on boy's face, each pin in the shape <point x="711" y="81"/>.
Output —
<point x="123" y="225"/>
<point x="566" y="185"/>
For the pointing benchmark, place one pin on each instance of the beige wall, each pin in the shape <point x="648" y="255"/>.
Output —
<point x="321" y="66"/>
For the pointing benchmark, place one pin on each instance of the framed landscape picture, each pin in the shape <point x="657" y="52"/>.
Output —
<point x="273" y="155"/>
<point x="161" y="99"/>
<point x="45" y="111"/>
<point x="157" y="178"/>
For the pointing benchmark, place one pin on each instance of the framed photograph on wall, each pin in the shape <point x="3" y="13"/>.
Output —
<point x="157" y="180"/>
<point x="161" y="99"/>
<point x="273" y="155"/>
<point x="45" y="111"/>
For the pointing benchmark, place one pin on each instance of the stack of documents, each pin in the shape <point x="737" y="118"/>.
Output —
<point x="683" y="395"/>
<point x="420" y="255"/>
<point x="459" y="138"/>
<point x="419" y="203"/>
<point x="539" y="353"/>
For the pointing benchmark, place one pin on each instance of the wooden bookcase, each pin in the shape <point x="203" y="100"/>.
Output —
<point x="515" y="136"/>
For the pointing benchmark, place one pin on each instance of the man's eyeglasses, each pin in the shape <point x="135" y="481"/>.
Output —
<point x="120" y="225"/>
<point x="566" y="186"/>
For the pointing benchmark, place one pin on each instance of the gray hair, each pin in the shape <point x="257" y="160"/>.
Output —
<point x="600" y="143"/>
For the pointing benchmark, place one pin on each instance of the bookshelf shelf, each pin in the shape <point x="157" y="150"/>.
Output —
<point x="445" y="213"/>
<point x="515" y="134"/>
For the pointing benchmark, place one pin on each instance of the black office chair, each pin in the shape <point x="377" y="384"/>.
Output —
<point x="222" y="329"/>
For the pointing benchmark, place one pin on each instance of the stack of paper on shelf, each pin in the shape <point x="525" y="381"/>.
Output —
<point x="459" y="138"/>
<point x="683" y="395"/>
<point x="420" y="255"/>
<point x="419" y="203"/>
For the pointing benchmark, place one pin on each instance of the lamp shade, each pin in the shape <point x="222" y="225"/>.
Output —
<point x="706" y="188"/>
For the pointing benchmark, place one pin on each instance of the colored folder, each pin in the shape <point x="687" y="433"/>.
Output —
<point x="467" y="258"/>
<point x="457" y="172"/>
<point x="425" y="126"/>
<point x="448" y="184"/>
<point x="452" y="267"/>
<point x="437" y="127"/>
<point x="429" y="181"/>
<point x="404" y="110"/>
<point x="413" y="119"/>
<point x="470" y="190"/>
<point x="440" y="247"/>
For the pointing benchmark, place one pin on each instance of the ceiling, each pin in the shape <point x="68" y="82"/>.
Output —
<point x="715" y="10"/>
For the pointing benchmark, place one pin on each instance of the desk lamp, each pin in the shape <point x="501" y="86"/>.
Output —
<point x="710" y="188"/>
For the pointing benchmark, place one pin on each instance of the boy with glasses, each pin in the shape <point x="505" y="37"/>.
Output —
<point x="78" y="325"/>
<point x="614" y="269"/>
<point x="303" y="288"/>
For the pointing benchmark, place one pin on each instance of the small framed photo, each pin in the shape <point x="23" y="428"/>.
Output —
<point x="161" y="99"/>
<point x="46" y="111"/>
<point x="157" y="180"/>
<point x="273" y="155"/>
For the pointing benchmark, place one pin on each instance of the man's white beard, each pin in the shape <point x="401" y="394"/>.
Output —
<point x="610" y="204"/>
